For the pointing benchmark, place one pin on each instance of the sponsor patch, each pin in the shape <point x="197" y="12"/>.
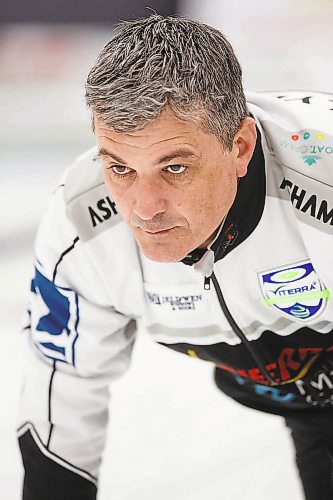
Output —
<point x="307" y="203"/>
<point x="54" y="318"/>
<point x="175" y="302"/>
<point x="179" y="299"/>
<point x="310" y="146"/>
<point x="93" y="212"/>
<point x="295" y="290"/>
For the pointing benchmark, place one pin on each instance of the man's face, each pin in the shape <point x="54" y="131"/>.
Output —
<point x="172" y="182"/>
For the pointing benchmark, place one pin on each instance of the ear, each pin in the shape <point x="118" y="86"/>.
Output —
<point x="244" y="144"/>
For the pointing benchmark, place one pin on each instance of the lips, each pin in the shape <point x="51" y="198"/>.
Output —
<point x="156" y="231"/>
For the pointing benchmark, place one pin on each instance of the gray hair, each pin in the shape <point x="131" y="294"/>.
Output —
<point x="159" y="61"/>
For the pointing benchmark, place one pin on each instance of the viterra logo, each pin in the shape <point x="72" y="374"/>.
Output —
<point x="296" y="291"/>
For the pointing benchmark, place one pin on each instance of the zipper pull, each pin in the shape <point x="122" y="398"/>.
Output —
<point x="207" y="283"/>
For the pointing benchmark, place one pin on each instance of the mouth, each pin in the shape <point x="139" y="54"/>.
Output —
<point x="157" y="231"/>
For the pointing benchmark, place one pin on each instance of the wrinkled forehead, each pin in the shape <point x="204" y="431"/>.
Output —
<point x="167" y="129"/>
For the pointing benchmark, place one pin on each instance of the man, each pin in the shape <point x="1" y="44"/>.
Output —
<point x="208" y="219"/>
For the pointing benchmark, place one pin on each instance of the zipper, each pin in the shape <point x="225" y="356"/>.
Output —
<point x="207" y="283"/>
<point x="230" y="235"/>
<point x="236" y="329"/>
<point x="206" y="267"/>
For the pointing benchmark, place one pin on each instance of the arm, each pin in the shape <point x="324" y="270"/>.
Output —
<point x="76" y="344"/>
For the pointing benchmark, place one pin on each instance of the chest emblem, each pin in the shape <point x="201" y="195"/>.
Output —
<point x="295" y="290"/>
<point x="175" y="302"/>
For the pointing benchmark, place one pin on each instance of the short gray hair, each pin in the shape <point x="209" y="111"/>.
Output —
<point x="159" y="61"/>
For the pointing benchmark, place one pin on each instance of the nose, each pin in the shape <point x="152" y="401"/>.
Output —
<point x="149" y="198"/>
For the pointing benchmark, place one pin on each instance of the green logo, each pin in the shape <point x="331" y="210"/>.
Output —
<point x="281" y="299"/>
<point x="288" y="276"/>
<point x="300" y="311"/>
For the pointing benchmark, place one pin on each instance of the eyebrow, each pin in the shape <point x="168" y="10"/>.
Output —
<point x="178" y="153"/>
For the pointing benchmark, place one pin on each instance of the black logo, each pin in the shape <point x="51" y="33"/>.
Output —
<point x="105" y="208"/>
<point x="308" y="203"/>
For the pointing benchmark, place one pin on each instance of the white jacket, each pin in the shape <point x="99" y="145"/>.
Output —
<point x="273" y="269"/>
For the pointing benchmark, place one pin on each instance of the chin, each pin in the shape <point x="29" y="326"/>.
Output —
<point x="170" y="255"/>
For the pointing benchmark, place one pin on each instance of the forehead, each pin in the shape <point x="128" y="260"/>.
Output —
<point x="165" y="130"/>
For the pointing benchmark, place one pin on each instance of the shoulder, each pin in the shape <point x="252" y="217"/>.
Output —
<point x="298" y="133"/>
<point x="298" y="128"/>
<point x="290" y="107"/>
<point x="88" y="204"/>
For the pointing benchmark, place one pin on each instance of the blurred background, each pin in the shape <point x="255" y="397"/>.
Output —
<point x="46" y="50"/>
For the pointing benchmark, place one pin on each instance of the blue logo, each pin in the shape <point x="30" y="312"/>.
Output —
<point x="296" y="291"/>
<point x="267" y="391"/>
<point x="55" y="324"/>
<point x="311" y="159"/>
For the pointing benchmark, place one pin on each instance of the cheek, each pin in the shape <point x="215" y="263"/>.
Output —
<point x="196" y="209"/>
<point x="207" y="207"/>
<point x="223" y="190"/>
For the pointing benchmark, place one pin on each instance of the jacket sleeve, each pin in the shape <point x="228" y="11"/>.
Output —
<point x="76" y="344"/>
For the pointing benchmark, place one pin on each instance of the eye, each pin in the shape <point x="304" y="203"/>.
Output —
<point x="176" y="169"/>
<point x="120" y="169"/>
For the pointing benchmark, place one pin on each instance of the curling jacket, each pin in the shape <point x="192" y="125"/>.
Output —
<point x="257" y="304"/>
